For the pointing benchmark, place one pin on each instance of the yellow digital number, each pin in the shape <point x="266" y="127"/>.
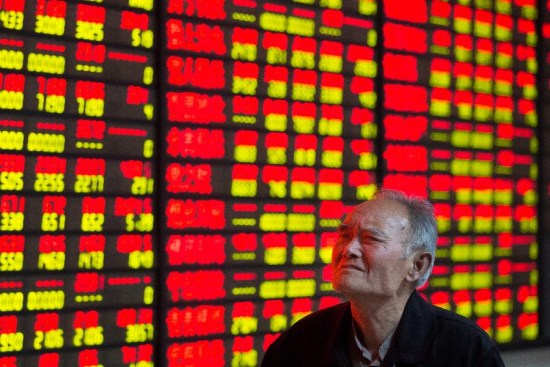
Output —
<point x="141" y="4"/>
<point x="12" y="342"/>
<point x="332" y="95"/>
<point x="300" y="288"/>
<point x="244" y="325"/>
<point x="278" y="323"/>
<point x="142" y="364"/>
<point x="368" y="161"/>
<point x="273" y="222"/>
<point x="139" y="333"/>
<point x="148" y="148"/>
<point x="245" y="52"/>
<point x="51" y="339"/>
<point x="305" y="157"/>
<point x="91" y="260"/>
<point x="276" y="155"/>
<point x="89" y="183"/>
<point x="330" y="127"/>
<point x="93" y="336"/>
<point x="41" y="63"/>
<point x="11" y="261"/>
<point x="276" y="122"/>
<point x="10" y="59"/>
<point x="277" y="89"/>
<point x="242" y="359"/>
<point x="89" y="31"/>
<point x="277" y="189"/>
<point x="142" y="38"/>
<point x="276" y="56"/>
<point x="148" y="111"/>
<point x="331" y="63"/>
<point x="11" y="140"/>
<point x="301" y="190"/>
<point x="141" y="259"/>
<point x="331" y="4"/>
<point x="92" y="222"/>
<point x="245" y="86"/>
<point x="89" y="336"/>
<point x="11" y="181"/>
<point x="49" y="182"/>
<point x="142" y="185"/>
<point x="301" y="26"/>
<point x="148" y="75"/>
<point x="92" y="107"/>
<point x="10" y="302"/>
<point x="273" y="22"/>
<point x="142" y="223"/>
<point x="368" y="99"/>
<point x="46" y="300"/>
<point x="51" y="261"/>
<point x="50" y="103"/>
<point x="51" y="143"/>
<point x="12" y="19"/>
<point x="12" y="221"/>
<point x="303" y="92"/>
<point x="148" y="295"/>
<point x="10" y="100"/>
<point x="49" y="25"/>
<point x="331" y="159"/>
<point x="303" y="60"/>
<point x="243" y="188"/>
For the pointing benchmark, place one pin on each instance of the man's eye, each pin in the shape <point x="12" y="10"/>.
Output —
<point x="368" y="240"/>
<point x="345" y="236"/>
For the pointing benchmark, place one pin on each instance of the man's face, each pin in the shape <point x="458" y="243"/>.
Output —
<point x="368" y="256"/>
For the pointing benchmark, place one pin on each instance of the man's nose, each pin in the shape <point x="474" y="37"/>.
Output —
<point x="353" y="248"/>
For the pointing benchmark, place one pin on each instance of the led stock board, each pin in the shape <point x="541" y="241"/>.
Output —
<point x="172" y="173"/>
<point x="434" y="98"/>
<point x="77" y="136"/>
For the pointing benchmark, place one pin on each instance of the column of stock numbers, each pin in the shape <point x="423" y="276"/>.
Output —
<point x="269" y="137"/>
<point x="77" y="132"/>
<point x="465" y="137"/>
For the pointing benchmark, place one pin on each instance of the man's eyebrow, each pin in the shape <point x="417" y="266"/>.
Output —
<point x="343" y="226"/>
<point x="373" y="231"/>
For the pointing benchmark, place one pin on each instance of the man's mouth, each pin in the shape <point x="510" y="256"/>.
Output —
<point x="351" y="267"/>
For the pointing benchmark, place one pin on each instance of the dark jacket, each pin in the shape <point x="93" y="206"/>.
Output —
<point x="427" y="336"/>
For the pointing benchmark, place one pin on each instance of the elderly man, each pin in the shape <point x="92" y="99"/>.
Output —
<point x="385" y="249"/>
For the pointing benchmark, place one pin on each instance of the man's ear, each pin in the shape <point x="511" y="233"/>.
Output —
<point x="421" y="264"/>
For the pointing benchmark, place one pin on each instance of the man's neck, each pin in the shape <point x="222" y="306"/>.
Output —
<point x="375" y="320"/>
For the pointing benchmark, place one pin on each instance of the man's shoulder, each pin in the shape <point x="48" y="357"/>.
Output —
<point x="311" y="340"/>
<point x="453" y="320"/>
<point x="318" y="327"/>
<point x="445" y="318"/>
<point x="331" y="311"/>
<point x="450" y="316"/>
<point x="431" y="332"/>
<point x="461" y="330"/>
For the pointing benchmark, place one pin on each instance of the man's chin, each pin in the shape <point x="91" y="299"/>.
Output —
<point x="346" y="288"/>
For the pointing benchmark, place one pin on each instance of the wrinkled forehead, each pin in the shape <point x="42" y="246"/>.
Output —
<point x="380" y="213"/>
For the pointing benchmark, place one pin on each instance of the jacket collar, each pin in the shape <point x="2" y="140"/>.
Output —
<point x="416" y="331"/>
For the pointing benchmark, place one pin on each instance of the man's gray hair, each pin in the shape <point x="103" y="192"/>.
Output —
<point x="423" y="225"/>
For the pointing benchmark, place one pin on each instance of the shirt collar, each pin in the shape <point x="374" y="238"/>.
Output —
<point x="382" y="351"/>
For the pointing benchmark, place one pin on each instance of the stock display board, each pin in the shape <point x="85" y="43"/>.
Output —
<point x="172" y="173"/>
<point x="435" y="98"/>
<point x="544" y="93"/>
<point x="77" y="135"/>
<point x="270" y="137"/>
<point x="470" y="73"/>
